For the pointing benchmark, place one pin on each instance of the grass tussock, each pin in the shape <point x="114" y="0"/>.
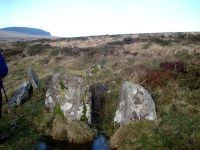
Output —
<point x="73" y="132"/>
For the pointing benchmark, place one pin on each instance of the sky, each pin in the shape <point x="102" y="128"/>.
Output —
<point x="71" y="18"/>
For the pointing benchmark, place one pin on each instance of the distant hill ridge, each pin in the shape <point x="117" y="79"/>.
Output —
<point x="27" y="30"/>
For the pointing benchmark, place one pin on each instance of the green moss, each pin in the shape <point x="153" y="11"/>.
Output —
<point x="108" y="111"/>
<point x="62" y="85"/>
<point x="83" y="117"/>
<point x="85" y="97"/>
<point x="57" y="111"/>
<point x="108" y="101"/>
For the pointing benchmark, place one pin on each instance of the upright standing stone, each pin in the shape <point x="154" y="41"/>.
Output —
<point x="135" y="104"/>
<point x="68" y="91"/>
<point x="33" y="78"/>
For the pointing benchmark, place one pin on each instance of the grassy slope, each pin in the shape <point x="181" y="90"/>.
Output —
<point x="176" y="96"/>
<point x="25" y="135"/>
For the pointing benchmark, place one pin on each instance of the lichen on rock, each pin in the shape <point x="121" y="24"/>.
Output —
<point x="67" y="90"/>
<point x="33" y="78"/>
<point x="21" y="94"/>
<point x="135" y="104"/>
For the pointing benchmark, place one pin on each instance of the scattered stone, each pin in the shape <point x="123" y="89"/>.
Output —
<point x="135" y="104"/>
<point x="33" y="78"/>
<point x="109" y="91"/>
<point x="94" y="69"/>
<point x="68" y="92"/>
<point x="22" y="94"/>
<point x="113" y="82"/>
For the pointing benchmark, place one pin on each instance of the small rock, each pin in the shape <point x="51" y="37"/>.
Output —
<point x="22" y="94"/>
<point x="113" y="82"/>
<point x="109" y="91"/>
<point x="94" y="69"/>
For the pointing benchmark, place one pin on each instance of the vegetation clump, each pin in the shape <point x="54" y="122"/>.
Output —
<point x="173" y="66"/>
<point x="73" y="132"/>
<point x="173" y="131"/>
<point x="37" y="49"/>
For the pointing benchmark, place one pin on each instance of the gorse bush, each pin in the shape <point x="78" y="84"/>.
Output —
<point x="128" y="40"/>
<point x="12" y="54"/>
<point x="160" y="42"/>
<point x="194" y="38"/>
<point x="173" y="66"/>
<point x="70" y="51"/>
<point x="191" y="79"/>
<point x="37" y="49"/>
<point x="54" y="51"/>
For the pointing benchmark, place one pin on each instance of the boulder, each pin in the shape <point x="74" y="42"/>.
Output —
<point x="68" y="92"/>
<point x="33" y="78"/>
<point x="135" y="104"/>
<point x="21" y="94"/>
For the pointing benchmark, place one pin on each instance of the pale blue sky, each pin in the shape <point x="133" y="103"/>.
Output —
<point x="94" y="17"/>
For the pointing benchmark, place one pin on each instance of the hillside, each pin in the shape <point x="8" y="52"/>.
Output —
<point x="165" y="64"/>
<point x="26" y="30"/>
<point x="11" y="36"/>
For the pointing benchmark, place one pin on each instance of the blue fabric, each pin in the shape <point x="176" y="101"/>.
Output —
<point x="3" y="69"/>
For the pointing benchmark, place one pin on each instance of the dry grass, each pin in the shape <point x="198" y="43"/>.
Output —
<point x="73" y="132"/>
